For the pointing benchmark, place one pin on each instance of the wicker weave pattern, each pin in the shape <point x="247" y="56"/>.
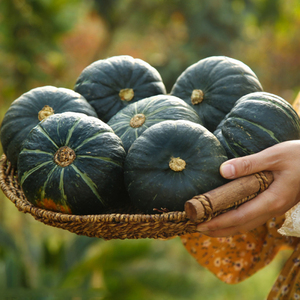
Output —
<point x="122" y="224"/>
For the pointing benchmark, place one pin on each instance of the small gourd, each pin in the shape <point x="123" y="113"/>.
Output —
<point x="130" y="122"/>
<point x="171" y="162"/>
<point x="72" y="163"/>
<point x="212" y="86"/>
<point x="32" y="107"/>
<point x="111" y="84"/>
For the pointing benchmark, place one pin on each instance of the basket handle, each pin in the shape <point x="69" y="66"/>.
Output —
<point x="228" y="196"/>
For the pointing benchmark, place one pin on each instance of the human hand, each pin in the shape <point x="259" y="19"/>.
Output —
<point x="283" y="160"/>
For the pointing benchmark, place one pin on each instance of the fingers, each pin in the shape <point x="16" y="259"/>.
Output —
<point x="243" y="219"/>
<point x="232" y="230"/>
<point x="248" y="216"/>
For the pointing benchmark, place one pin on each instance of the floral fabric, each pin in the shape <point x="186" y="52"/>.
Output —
<point x="233" y="259"/>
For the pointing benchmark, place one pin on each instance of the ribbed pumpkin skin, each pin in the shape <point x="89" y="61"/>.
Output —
<point x="101" y="82"/>
<point x="150" y="181"/>
<point x="223" y="80"/>
<point x="93" y="181"/>
<point x="23" y="114"/>
<point x="134" y="119"/>
<point x="257" y="121"/>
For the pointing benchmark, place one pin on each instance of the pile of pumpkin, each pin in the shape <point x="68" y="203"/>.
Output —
<point x="118" y="137"/>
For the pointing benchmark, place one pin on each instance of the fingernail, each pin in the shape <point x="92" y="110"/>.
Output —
<point x="227" y="170"/>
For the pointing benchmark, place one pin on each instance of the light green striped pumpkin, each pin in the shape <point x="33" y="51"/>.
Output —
<point x="130" y="122"/>
<point x="257" y="121"/>
<point x="72" y="163"/>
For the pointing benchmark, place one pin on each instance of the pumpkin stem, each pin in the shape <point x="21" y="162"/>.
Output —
<point x="177" y="164"/>
<point x="137" y="120"/>
<point x="197" y="96"/>
<point x="64" y="156"/>
<point x="45" y="112"/>
<point x="126" y="94"/>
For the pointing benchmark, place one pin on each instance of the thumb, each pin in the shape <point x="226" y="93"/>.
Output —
<point x="240" y="166"/>
<point x="278" y="157"/>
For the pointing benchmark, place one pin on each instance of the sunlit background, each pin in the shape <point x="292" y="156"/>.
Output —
<point x="49" y="42"/>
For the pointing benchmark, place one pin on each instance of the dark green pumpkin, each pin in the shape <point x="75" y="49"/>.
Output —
<point x="257" y="121"/>
<point x="171" y="162"/>
<point x="32" y="107"/>
<point x="72" y="163"/>
<point x="111" y="84"/>
<point x="213" y="85"/>
<point x="130" y="122"/>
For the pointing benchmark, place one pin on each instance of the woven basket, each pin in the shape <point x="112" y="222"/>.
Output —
<point x="127" y="223"/>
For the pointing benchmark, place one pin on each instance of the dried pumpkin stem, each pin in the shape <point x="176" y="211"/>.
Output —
<point x="197" y="96"/>
<point x="177" y="164"/>
<point x="137" y="120"/>
<point x="45" y="112"/>
<point x="126" y="94"/>
<point x="64" y="156"/>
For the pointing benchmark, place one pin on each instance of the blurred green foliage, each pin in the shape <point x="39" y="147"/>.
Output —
<point x="29" y="36"/>
<point x="38" y="262"/>
<point x="49" y="42"/>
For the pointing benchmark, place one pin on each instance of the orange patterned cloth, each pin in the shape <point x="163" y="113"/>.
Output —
<point x="236" y="258"/>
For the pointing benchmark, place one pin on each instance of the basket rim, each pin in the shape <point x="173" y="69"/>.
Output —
<point x="123" y="224"/>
